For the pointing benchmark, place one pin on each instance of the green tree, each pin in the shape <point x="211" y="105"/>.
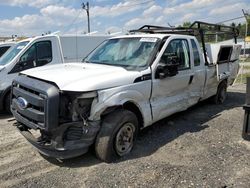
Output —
<point x="186" y="24"/>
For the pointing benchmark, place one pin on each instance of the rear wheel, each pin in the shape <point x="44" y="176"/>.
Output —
<point x="221" y="94"/>
<point x="117" y="135"/>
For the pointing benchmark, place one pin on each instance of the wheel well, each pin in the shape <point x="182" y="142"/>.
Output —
<point x="223" y="82"/>
<point x="128" y="106"/>
<point x="133" y="108"/>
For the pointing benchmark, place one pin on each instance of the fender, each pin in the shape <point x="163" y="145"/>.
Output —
<point x="119" y="98"/>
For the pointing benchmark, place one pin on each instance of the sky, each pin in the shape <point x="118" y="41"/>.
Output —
<point x="36" y="17"/>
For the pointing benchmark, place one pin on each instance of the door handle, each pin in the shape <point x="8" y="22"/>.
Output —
<point x="191" y="79"/>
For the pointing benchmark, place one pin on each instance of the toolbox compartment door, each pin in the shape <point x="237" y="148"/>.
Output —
<point x="223" y="62"/>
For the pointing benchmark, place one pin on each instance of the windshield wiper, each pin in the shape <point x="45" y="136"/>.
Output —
<point x="85" y="61"/>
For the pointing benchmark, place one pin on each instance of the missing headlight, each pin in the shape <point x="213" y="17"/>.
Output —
<point x="76" y="106"/>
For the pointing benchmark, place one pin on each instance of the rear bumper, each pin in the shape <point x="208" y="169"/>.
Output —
<point x="59" y="147"/>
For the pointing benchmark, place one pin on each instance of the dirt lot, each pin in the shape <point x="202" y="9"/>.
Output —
<point x="201" y="147"/>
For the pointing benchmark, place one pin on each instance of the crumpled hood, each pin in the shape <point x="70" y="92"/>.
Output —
<point x="84" y="76"/>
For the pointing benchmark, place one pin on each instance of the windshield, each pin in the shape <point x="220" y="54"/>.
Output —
<point x="12" y="52"/>
<point x="130" y="53"/>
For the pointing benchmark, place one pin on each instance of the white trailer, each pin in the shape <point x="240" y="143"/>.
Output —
<point x="39" y="51"/>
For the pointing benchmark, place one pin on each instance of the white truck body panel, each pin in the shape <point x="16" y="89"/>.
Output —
<point x="224" y="70"/>
<point x="84" y="76"/>
<point x="9" y="44"/>
<point x="74" y="48"/>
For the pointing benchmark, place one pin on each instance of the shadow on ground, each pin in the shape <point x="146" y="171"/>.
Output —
<point x="161" y="133"/>
<point x="5" y="115"/>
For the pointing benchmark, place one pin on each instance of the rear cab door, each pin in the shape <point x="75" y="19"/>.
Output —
<point x="199" y="73"/>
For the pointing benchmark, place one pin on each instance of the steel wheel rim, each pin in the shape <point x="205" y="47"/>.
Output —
<point x="124" y="139"/>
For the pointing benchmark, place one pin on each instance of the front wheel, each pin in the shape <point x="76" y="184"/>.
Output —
<point x="221" y="94"/>
<point x="7" y="103"/>
<point x="117" y="135"/>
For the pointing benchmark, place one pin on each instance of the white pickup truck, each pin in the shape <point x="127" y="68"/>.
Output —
<point x="127" y="83"/>
<point x="39" y="51"/>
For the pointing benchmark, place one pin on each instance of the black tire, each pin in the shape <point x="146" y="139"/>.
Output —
<point x="221" y="94"/>
<point x="7" y="103"/>
<point x="117" y="135"/>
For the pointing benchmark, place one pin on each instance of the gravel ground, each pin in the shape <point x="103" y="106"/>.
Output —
<point x="201" y="147"/>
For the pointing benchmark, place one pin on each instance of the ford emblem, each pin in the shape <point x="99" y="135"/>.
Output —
<point x="22" y="103"/>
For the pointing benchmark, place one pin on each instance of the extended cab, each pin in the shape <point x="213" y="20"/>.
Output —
<point x="39" y="51"/>
<point x="125" y="84"/>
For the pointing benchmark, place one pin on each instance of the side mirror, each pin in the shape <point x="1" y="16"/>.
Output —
<point x="20" y="65"/>
<point x="167" y="70"/>
<point x="42" y="62"/>
<point x="17" y="68"/>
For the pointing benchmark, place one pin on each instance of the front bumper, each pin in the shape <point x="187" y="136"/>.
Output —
<point x="58" y="146"/>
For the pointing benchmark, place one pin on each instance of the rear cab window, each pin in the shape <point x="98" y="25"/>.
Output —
<point x="196" y="54"/>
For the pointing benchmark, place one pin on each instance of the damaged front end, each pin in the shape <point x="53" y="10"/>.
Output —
<point x="61" y="118"/>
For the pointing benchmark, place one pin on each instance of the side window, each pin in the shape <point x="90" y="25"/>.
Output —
<point x="197" y="60"/>
<point x="44" y="53"/>
<point x="3" y="50"/>
<point x="29" y="55"/>
<point x="177" y="51"/>
<point x="38" y="54"/>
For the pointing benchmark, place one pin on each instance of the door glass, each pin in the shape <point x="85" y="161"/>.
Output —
<point x="197" y="61"/>
<point x="3" y="50"/>
<point x="29" y="55"/>
<point x="177" y="51"/>
<point x="44" y="53"/>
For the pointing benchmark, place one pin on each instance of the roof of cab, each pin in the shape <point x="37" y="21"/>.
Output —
<point x="7" y="43"/>
<point x="160" y="36"/>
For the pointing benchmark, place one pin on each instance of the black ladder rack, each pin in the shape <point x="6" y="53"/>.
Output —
<point x="194" y="29"/>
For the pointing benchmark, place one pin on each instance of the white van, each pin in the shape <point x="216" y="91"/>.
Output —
<point x="39" y="51"/>
<point x="5" y="46"/>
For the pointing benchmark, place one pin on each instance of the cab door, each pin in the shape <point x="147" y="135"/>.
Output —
<point x="39" y="54"/>
<point x="198" y="81"/>
<point x="170" y="94"/>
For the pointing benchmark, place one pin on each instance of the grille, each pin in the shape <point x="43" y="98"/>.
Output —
<point x="42" y="102"/>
